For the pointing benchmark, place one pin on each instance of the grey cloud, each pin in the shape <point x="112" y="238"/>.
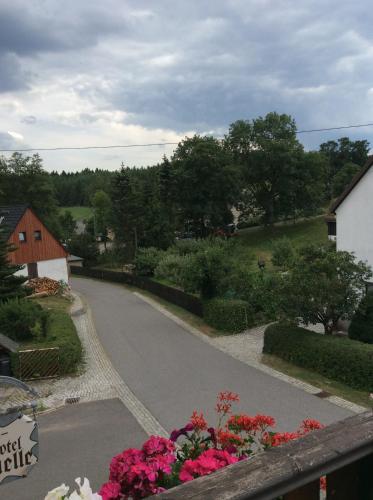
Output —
<point x="200" y="64"/>
<point x="7" y="141"/>
<point x="29" y="120"/>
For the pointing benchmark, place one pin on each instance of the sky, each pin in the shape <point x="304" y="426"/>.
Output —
<point x="86" y="73"/>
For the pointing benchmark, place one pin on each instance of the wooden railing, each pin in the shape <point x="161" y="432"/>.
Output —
<point x="343" y="452"/>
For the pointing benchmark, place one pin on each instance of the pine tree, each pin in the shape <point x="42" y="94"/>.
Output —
<point x="10" y="285"/>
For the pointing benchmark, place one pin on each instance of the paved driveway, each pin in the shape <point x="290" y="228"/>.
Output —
<point x="173" y="372"/>
<point x="77" y="441"/>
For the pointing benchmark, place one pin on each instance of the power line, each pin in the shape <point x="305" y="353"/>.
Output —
<point x="117" y="146"/>
<point x="334" y="128"/>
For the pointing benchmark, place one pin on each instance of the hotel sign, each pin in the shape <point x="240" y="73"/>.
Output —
<point x="18" y="445"/>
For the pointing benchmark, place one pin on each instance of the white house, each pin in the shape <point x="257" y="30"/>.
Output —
<point x="351" y="219"/>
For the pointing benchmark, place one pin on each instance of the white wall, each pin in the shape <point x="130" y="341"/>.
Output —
<point x="53" y="268"/>
<point x="355" y="220"/>
<point x="22" y="272"/>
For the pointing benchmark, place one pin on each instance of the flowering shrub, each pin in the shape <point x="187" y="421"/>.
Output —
<point x="161" y="464"/>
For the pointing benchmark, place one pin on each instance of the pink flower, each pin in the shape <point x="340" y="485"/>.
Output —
<point x="157" y="445"/>
<point x="110" y="491"/>
<point x="208" y="462"/>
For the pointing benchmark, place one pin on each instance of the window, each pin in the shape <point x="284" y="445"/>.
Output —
<point x="332" y="228"/>
<point x="22" y="236"/>
<point x="37" y="235"/>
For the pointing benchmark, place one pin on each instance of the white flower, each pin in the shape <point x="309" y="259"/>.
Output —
<point x="58" y="493"/>
<point x="85" y="491"/>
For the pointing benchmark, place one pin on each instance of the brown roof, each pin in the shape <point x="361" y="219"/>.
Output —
<point x="352" y="184"/>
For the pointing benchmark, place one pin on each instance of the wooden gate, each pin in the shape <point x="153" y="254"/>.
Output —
<point x="39" y="363"/>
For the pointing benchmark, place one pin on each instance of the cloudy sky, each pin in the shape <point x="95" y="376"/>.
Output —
<point x="85" y="73"/>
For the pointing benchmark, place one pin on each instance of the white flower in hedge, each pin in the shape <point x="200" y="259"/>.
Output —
<point x="85" y="491"/>
<point x="58" y="493"/>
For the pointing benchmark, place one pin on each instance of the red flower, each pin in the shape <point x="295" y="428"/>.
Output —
<point x="198" y="421"/>
<point x="110" y="491"/>
<point x="225" y="400"/>
<point x="226" y="438"/>
<point x="309" y="425"/>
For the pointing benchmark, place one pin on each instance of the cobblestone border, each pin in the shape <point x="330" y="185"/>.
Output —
<point x="247" y="347"/>
<point x="100" y="380"/>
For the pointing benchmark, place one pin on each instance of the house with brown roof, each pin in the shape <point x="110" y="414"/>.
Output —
<point x="35" y="246"/>
<point x="351" y="216"/>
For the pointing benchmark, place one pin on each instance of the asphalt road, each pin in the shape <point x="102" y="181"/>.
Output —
<point x="77" y="441"/>
<point x="173" y="372"/>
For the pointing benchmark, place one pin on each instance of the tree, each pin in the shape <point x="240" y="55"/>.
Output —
<point x="10" y="284"/>
<point x="343" y="177"/>
<point x="85" y="246"/>
<point x="206" y="184"/>
<point x="340" y="152"/>
<point x="126" y="214"/>
<point x="323" y="286"/>
<point x="101" y="205"/>
<point x="23" y="180"/>
<point x="271" y="160"/>
<point x="68" y="225"/>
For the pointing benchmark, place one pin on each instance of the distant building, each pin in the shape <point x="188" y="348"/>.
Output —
<point x="351" y="216"/>
<point x="36" y="248"/>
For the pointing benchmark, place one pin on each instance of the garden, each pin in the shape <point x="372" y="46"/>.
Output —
<point x="36" y="320"/>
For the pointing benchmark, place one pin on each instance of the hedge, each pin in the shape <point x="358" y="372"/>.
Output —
<point x="228" y="315"/>
<point x="341" y="359"/>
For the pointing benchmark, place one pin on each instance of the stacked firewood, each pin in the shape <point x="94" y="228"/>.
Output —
<point x="45" y="286"/>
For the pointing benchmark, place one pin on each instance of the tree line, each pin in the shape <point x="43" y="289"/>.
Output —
<point x="259" y="168"/>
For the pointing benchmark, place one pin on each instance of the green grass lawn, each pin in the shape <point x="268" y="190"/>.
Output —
<point x="258" y="241"/>
<point x="78" y="213"/>
<point x="60" y="332"/>
<point x="313" y="378"/>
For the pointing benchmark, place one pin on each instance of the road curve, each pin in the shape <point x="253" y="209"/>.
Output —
<point x="172" y="372"/>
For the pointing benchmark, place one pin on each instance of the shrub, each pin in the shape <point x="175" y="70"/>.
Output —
<point x="147" y="259"/>
<point x="338" y="358"/>
<point x="169" y="268"/>
<point x="61" y="332"/>
<point x="259" y="289"/>
<point x="203" y="271"/>
<point x="283" y="253"/>
<point x="228" y="315"/>
<point x="361" y="327"/>
<point x="22" y="320"/>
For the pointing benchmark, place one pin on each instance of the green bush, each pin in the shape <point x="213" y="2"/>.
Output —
<point x="60" y="332"/>
<point x="259" y="289"/>
<point x="283" y="253"/>
<point x="22" y="320"/>
<point x="341" y="359"/>
<point x="169" y="268"/>
<point x="361" y="327"/>
<point x="147" y="259"/>
<point x="231" y="316"/>
<point x="203" y="271"/>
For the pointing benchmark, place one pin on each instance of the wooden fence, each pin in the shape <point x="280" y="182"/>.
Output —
<point x="173" y="295"/>
<point x="343" y="452"/>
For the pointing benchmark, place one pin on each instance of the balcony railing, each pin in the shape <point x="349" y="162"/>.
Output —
<point x="343" y="452"/>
